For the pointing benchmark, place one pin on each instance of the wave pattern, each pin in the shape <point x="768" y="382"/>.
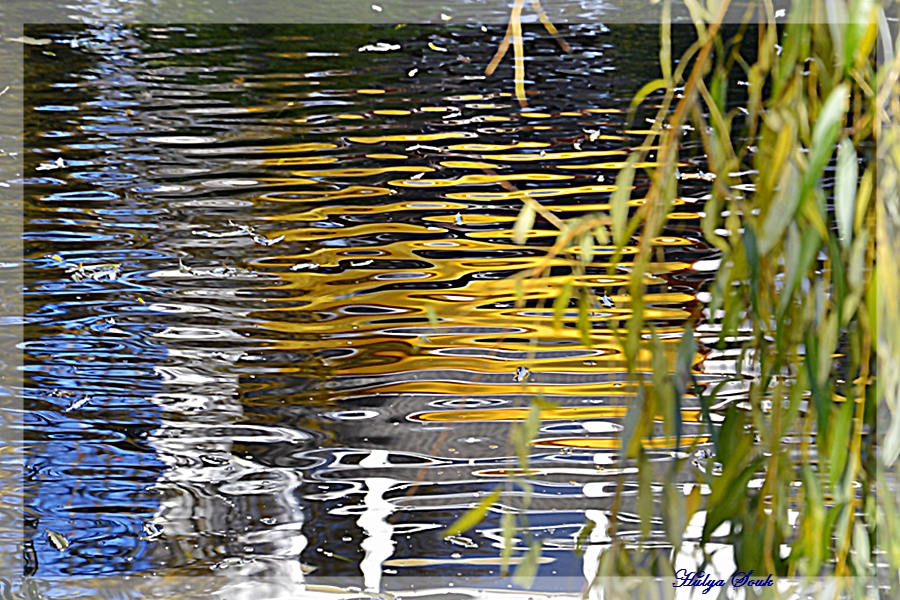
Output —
<point x="260" y="385"/>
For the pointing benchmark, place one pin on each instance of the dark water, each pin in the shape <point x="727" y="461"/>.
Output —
<point x="256" y="387"/>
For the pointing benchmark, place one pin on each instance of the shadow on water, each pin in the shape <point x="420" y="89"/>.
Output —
<point x="256" y="387"/>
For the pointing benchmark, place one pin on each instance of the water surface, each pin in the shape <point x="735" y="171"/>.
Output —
<point x="256" y="388"/>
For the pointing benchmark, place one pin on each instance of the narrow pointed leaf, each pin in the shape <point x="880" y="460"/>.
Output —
<point x="619" y="200"/>
<point x="845" y="190"/>
<point x="473" y="516"/>
<point x="524" y="223"/>
<point x="561" y="304"/>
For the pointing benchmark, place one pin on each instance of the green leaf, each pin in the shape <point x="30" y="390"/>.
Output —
<point x="532" y="422"/>
<point x="602" y="235"/>
<point x="586" y="247"/>
<point x="646" y="90"/>
<point x="473" y="516"/>
<point x="561" y="304"/>
<point x="825" y="132"/>
<point x="645" y="494"/>
<point x="520" y="294"/>
<point x="781" y="211"/>
<point x="619" y="200"/>
<point x="524" y="223"/>
<point x="840" y="440"/>
<point x="673" y="506"/>
<point x="508" y="527"/>
<point x="845" y="184"/>
<point x="584" y="317"/>
<point x="584" y="535"/>
<point x="527" y="569"/>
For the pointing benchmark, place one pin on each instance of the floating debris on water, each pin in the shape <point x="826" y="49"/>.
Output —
<point x="57" y="540"/>
<point x="363" y="263"/>
<point x="522" y="374"/>
<point x="59" y="163"/>
<point x="459" y="219"/>
<point x="460" y="540"/>
<point x="418" y="176"/>
<point x="239" y="231"/>
<point x="445" y="17"/>
<point x="182" y="268"/>
<point x="412" y="72"/>
<point x="606" y="300"/>
<point x="226" y="271"/>
<point x="593" y="134"/>
<point x="436" y="48"/>
<point x="424" y="147"/>
<point x="577" y="146"/>
<point x="379" y="47"/>
<point x="301" y="266"/>
<point x="152" y="531"/>
<point x="78" y="404"/>
<point x="108" y="271"/>
<point x="263" y="240"/>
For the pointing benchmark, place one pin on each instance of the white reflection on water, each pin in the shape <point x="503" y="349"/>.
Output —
<point x="207" y="488"/>
<point x="379" y="543"/>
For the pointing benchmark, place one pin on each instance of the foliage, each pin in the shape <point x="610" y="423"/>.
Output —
<point x="794" y="297"/>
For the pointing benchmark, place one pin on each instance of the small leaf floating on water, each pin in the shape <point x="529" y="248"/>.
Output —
<point x="436" y="48"/>
<point x="57" y="258"/>
<point x="593" y="134"/>
<point x="376" y="8"/>
<point x="463" y="59"/>
<point x="58" y="541"/>
<point x="521" y="374"/>
<point x="459" y="219"/>
<point x="418" y="175"/>
<point x="577" y="146"/>
<point x="301" y="266"/>
<point x="412" y="72"/>
<point x="445" y="17"/>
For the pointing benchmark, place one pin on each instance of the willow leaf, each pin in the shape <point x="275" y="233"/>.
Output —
<point x="524" y="223"/>
<point x="845" y="190"/>
<point x="473" y="516"/>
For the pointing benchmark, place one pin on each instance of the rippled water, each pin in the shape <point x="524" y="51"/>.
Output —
<point x="256" y="386"/>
